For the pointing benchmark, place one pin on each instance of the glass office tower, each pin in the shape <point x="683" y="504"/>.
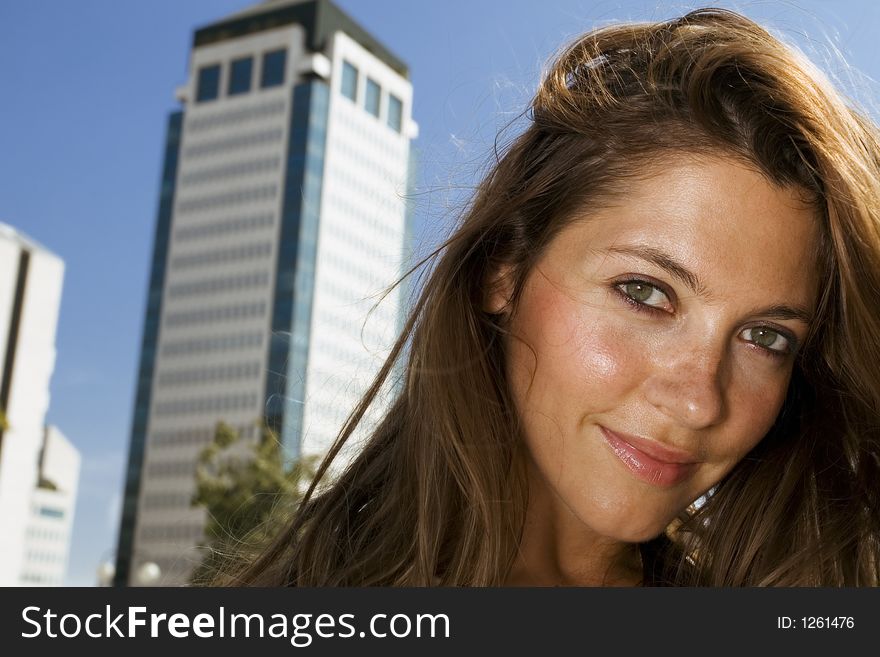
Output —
<point x="282" y="216"/>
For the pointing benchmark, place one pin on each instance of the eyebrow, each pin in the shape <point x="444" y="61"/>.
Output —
<point x="666" y="262"/>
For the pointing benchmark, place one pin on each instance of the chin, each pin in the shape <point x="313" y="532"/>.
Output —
<point x="630" y="529"/>
<point x="640" y="536"/>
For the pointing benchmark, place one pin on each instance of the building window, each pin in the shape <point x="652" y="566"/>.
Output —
<point x="349" y="81"/>
<point x="371" y="100"/>
<point x="208" y="83"/>
<point x="273" y="68"/>
<point x="240" y="76"/>
<point x="49" y="512"/>
<point x="395" y="112"/>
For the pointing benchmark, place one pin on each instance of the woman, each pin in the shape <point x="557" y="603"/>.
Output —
<point x="649" y="353"/>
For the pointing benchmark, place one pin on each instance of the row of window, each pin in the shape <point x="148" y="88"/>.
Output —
<point x="239" y="76"/>
<point x="365" y="156"/>
<point x="238" y="142"/>
<point x="43" y="534"/>
<point x="38" y="578"/>
<point x="224" y="227"/>
<point x="196" y="435"/>
<point x="177" y="532"/>
<point x="167" y="500"/>
<point x="372" y="96"/>
<point x="369" y="329"/>
<point x="237" y="197"/>
<point x="215" y="285"/>
<point x="234" y="170"/>
<point x="171" y="469"/>
<point x="206" y="404"/>
<point x="324" y="414"/>
<point x="347" y="358"/>
<point x="370" y="220"/>
<point x="215" y="314"/>
<point x="41" y="556"/>
<point x="250" y="251"/>
<point x="347" y="291"/>
<point x="358" y="274"/>
<point x="235" y="116"/>
<point x="225" y="372"/>
<point x="219" y="343"/>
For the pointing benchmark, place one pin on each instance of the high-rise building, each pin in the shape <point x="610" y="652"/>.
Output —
<point x="47" y="538"/>
<point x="30" y="297"/>
<point x="282" y="217"/>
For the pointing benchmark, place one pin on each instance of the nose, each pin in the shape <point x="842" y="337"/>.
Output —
<point x="689" y="387"/>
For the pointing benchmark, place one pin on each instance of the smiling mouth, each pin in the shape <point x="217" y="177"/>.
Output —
<point x="662" y="467"/>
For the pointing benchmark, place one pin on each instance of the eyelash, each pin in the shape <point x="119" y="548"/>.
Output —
<point x="654" y="310"/>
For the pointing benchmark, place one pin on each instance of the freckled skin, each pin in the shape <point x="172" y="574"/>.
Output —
<point x="688" y="377"/>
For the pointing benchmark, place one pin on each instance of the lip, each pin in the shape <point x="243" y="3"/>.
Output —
<point x="650" y="461"/>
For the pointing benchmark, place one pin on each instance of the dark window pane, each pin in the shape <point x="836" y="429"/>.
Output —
<point x="273" y="68"/>
<point x="208" y="83"/>
<point x="349" y="81"/>
<point x="395" y="112"/>
<point x="240" y="76"/>
<point x="374" y="93"/>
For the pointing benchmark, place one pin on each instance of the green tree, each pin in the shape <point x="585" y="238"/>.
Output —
<point x="248" y="493"/>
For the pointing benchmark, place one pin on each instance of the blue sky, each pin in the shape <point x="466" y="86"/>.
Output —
<point x="86" y="88"/>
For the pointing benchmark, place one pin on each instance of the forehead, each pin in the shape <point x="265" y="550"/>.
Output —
<point x="722" y="220"/>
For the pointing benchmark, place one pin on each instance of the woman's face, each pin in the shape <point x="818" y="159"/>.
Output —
<point x="657" y="339"/>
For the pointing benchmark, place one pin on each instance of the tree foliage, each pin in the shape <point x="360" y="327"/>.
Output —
<point x="248" y="493"/>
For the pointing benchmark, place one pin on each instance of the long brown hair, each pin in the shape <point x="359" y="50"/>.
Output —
<point x="438" y="494"/>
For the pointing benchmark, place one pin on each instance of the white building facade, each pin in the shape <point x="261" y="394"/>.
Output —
<point x="31" y="279"/>
<point x="47" y="537"/>
<point x="283" y="216"/>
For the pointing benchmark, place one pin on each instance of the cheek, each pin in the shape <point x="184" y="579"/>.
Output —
<point x="575" y="356"/>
